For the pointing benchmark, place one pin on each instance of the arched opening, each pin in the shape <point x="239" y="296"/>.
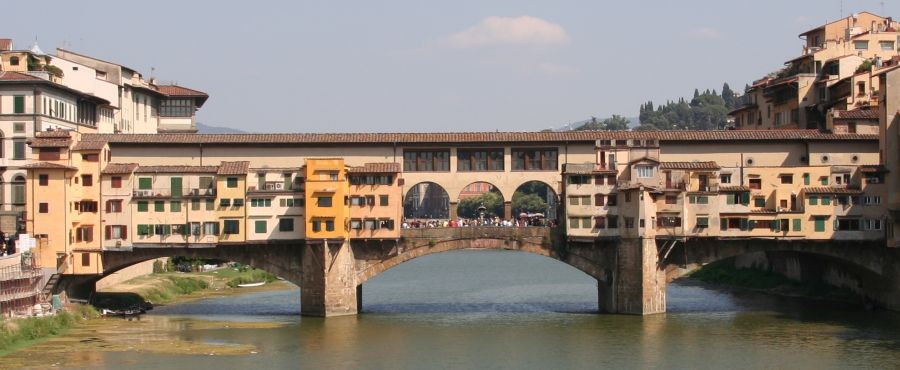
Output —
<point x="13" y="61"/>
<point x="18" y="190"/>
<point x="535" y="198"/>
<point x="477" y="195"/>
<point x="426" y="200"/>
<point x="471" y="281"/>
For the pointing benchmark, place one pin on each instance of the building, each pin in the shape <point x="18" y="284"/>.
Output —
<point x="834" y="72"/>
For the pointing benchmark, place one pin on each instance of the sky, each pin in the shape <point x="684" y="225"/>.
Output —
<point x="417" y="66"/>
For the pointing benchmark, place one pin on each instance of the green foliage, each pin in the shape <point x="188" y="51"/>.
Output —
<point x="865" y="66"/>
<point x="705" y="111"/>
<point x="614" y="123"/>
<point x="174" y="287"/>
<point x="492" y="201"/>
<point x="17" y="331"/>
<point x="528" y="203"/>
<point x="158" y="267"/>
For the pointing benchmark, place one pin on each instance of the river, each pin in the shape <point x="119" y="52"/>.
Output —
<point x="484" y="310"/>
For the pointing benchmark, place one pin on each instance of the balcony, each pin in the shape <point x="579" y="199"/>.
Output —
<point x="178" y="193"/>
<point x="277" y="187"/>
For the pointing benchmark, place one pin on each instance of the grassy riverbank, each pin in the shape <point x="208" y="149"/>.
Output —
<point x="18" y="333"/>
<point x="725" y="274"/>
<point x="169" y="288"/>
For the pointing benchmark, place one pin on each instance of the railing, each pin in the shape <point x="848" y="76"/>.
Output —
<point x="277" y="187"/>
<point x="168" y="193"/>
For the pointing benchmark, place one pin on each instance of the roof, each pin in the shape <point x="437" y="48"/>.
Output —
<point x="176" y="169"/>
<point x="119" y="168"/>
<point x="234" y="168"/>
<point x="642" y="159"/>
<point x="475" y="137"/>
<point x="381" y="167"/>
<point x="733" y="188"/>
<point x="89" y="145"/>
<point x="873" y="169"/>
<point x="48" y="166"/>
<point x="5" y="44"/>
<point x="18" y="77"/>
<point x="865" y="114"/>
<point x="831" y="190"/>
<point x="176" y="91"/>
<point x="49" y="143"/>
<point x="835" y="21"/>
<point x="688" y="166"/>
<point x="54" y="134"/>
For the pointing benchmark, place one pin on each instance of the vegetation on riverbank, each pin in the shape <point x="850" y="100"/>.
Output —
<point x="16" y="333"/>
<point x="724" y="273"/>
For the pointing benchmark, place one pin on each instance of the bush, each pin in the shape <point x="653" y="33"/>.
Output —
<point x="158" y="267"/>
<point x="16" y="331"/>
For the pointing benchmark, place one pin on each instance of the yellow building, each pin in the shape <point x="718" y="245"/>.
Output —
<point x="327" y="197"/>
<point x="231" y="185"/>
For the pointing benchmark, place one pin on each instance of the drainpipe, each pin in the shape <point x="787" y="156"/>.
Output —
<point x="201" y="154"/>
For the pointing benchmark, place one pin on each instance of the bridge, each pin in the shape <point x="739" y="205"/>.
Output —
<point x="631" y="274"/>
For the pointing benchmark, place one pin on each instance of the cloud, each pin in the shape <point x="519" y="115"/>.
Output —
<point x="524" y="30"/>
<point x="705" y="33"/>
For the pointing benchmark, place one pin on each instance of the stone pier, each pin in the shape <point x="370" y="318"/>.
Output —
<point x="329" y="286"/>
<point x="635" y="282"/>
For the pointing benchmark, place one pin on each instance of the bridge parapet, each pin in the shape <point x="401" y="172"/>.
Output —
<point x="476" y="232"/>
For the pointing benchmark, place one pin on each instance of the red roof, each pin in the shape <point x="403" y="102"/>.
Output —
<point x="862" y="114"/>
<point x="120" y="168"/>
<point x="733" y="188"/>
<point x="89" y="145"/>
<point x="382" y="167"/>
<point x="234" y="168"/>
<point x="53" y="134"/>
<point x="49" y="143"/>
<point x="183" y="92"/>
<point x="17" y="76"/>
<point x="5" y="44"/>
<point x="831" y="190"/>
<point x="177" y="169"/>
<point x="688" y="166"/>
<point x="48" y="166"/>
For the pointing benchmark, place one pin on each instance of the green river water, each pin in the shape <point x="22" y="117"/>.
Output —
<point x="483" y="310"/>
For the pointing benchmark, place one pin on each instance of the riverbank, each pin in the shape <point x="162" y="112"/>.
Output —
<point x="23" y="332"/>
<point x="726" y="275"/>
<point x="176" y="287"/>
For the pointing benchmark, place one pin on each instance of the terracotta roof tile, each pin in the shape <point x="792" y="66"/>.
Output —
<point x="119" y="168"/>
<point x="234" y="168"/>
<point x="475" y="137"/>
<point x="731" y="189"/>
<point x="585" y="169"/>
<point x="48" y="165"/>
<point x="831" y="190"/>
<point x="175" y="90"/>
<point x="688" y="166"/>
<point x="17" y="76"/>
<point x="49" y="143"/>
<point x="5" y="44"/>
<point x="54" y="134"/>
<point x="176" y="169"/>
<point x="89" y="145"/>
<point x="381" y="167"/>
<point x="865" y="114"/>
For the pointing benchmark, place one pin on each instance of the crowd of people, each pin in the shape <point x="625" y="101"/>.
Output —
<point x="470" y="222"/>
<point x="7" y="244"/>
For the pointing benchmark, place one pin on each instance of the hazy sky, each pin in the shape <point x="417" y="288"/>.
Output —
<point x="405" y="65"/>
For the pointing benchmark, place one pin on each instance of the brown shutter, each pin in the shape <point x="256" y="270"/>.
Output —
<point x="124" y="232"/>
<point x="598" y="180"/>
<point x="598" y="199"/>
<point x="108" y="232"/>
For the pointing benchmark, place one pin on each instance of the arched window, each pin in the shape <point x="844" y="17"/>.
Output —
<point x="13" y="61"/>
<point x="18" y="190"/>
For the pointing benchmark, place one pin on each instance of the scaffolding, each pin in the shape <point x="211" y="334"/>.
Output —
<point x="20" y="284"/>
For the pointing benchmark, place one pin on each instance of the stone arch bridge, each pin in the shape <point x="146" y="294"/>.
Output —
<point x="632" y="274"/>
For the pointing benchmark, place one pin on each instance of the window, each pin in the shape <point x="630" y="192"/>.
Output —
<point x="210" y="228"/>
<point x="43" y="208"/>
<point x="426" y="160"/>
<point x="231" y="182"/>
<point x="813" y="200"/>
<point x="225" y="202"/>
<point x="237" y="202"/>
<point x="579" y="180"/>
<point x="479" y="160"/>
<point x="316" y="225"/>
<point x="787" y="179"/>
<point x="195" y="204"/>
<point x="18" y="104"/>
<point x="798" y="224"/>
<point x="260" y="202"/>
<point x="116" y="182"/>
<point x="114" y="206"/>
<point x="534" y="159"/>
<point x="84" y="234"/>
<point x="231" y="227"/>
<point x="725" y="178"/>
<point x="611" y="200"/>
<point x="861" y="45"/>
<point x="90" y="157"/>
<point x="870" y="200"/>
<point x="210" y="204"/>
<point x="18" y="149"/>
<point x="142" y="206"/>
<point x="329" y="225"/>
<point x="85" y="259"/>
<point x="87" y="180"/>
<point x="823" y="180"/>
<point x="698" y="199"/>
<point x="805" y="179"/>
<point x="19" y="127"/>
<point x="259" y="226"/>
<point x="145" y="183"/>
<point x="598" y="180"/>
<point x="847" y="224"/>
<point x="114" y="232"/>
<point x="159" y="206"/>
<point x="383" y="200"/>
<point x="730" y="198"/>
<point x="176" y="107"/>
<point x="285" y="224"/>
<point x="13" y="61"/>
<point x="175" y="206"/>
<point x="755" y="183"/>
<point x="324" y="202"/>
<point x="820" y="223"/>
<point x="629" y="222"/>
<point x="600" y="222"/>
<point x="886" y="45"/>
<point x="826" y="200"/>
<point x="644" y="172"/>
<point x="370" y="224"/>
<point x="702" y="222"/>
<point x="613" y="221"/>
<point x="759" y="202"/>
<point x="671" y="199"/>
<point x="43" y="179"/>
<point x="48" y="154"/>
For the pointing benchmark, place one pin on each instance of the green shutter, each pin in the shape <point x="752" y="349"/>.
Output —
<point x="813" y="200"/>
<point x="805" y="179"/>
<point x="19" y="149"/>
<point x="19" y="104"/>
<point x="820" y="224"/>
<point x="824" y="180"/>
<point x="260" y="227"/>
<point x="145" y="183"/>
<point x="177" y="190"/>
<point x="723" y="224"/>
<point x="143" y="206"/>
<point x="176" y="206"/>
<point x="745" y="199"/>
<point x="798" y="224"/>
<point x="159" y="206"/>
<point x="775" y="225"/>
<point x="826" y="200"/>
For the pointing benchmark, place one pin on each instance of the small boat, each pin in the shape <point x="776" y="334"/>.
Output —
<point x="250" y="285"/>
<point x="123" y="313"/>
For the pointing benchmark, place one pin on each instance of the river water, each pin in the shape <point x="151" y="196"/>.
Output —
<point x="491" y="310"/>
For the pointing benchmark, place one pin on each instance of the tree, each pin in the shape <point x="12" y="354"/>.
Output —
<point x="492" y="201"/>
<point x="728" y="97"/>
<point x="528" y="203"/>
<point x="615" y="123"/>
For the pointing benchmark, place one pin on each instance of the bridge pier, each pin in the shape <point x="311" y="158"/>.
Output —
<point x="635" y="283"/>
<point x="329" y="286"/>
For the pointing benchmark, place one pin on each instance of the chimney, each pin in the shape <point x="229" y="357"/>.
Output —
<point x="5" y="44"/>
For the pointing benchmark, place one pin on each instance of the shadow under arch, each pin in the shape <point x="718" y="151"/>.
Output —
<point x="480" y="193"/>
<point x="426" y="200"/>
<point x="536" y="190"/>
